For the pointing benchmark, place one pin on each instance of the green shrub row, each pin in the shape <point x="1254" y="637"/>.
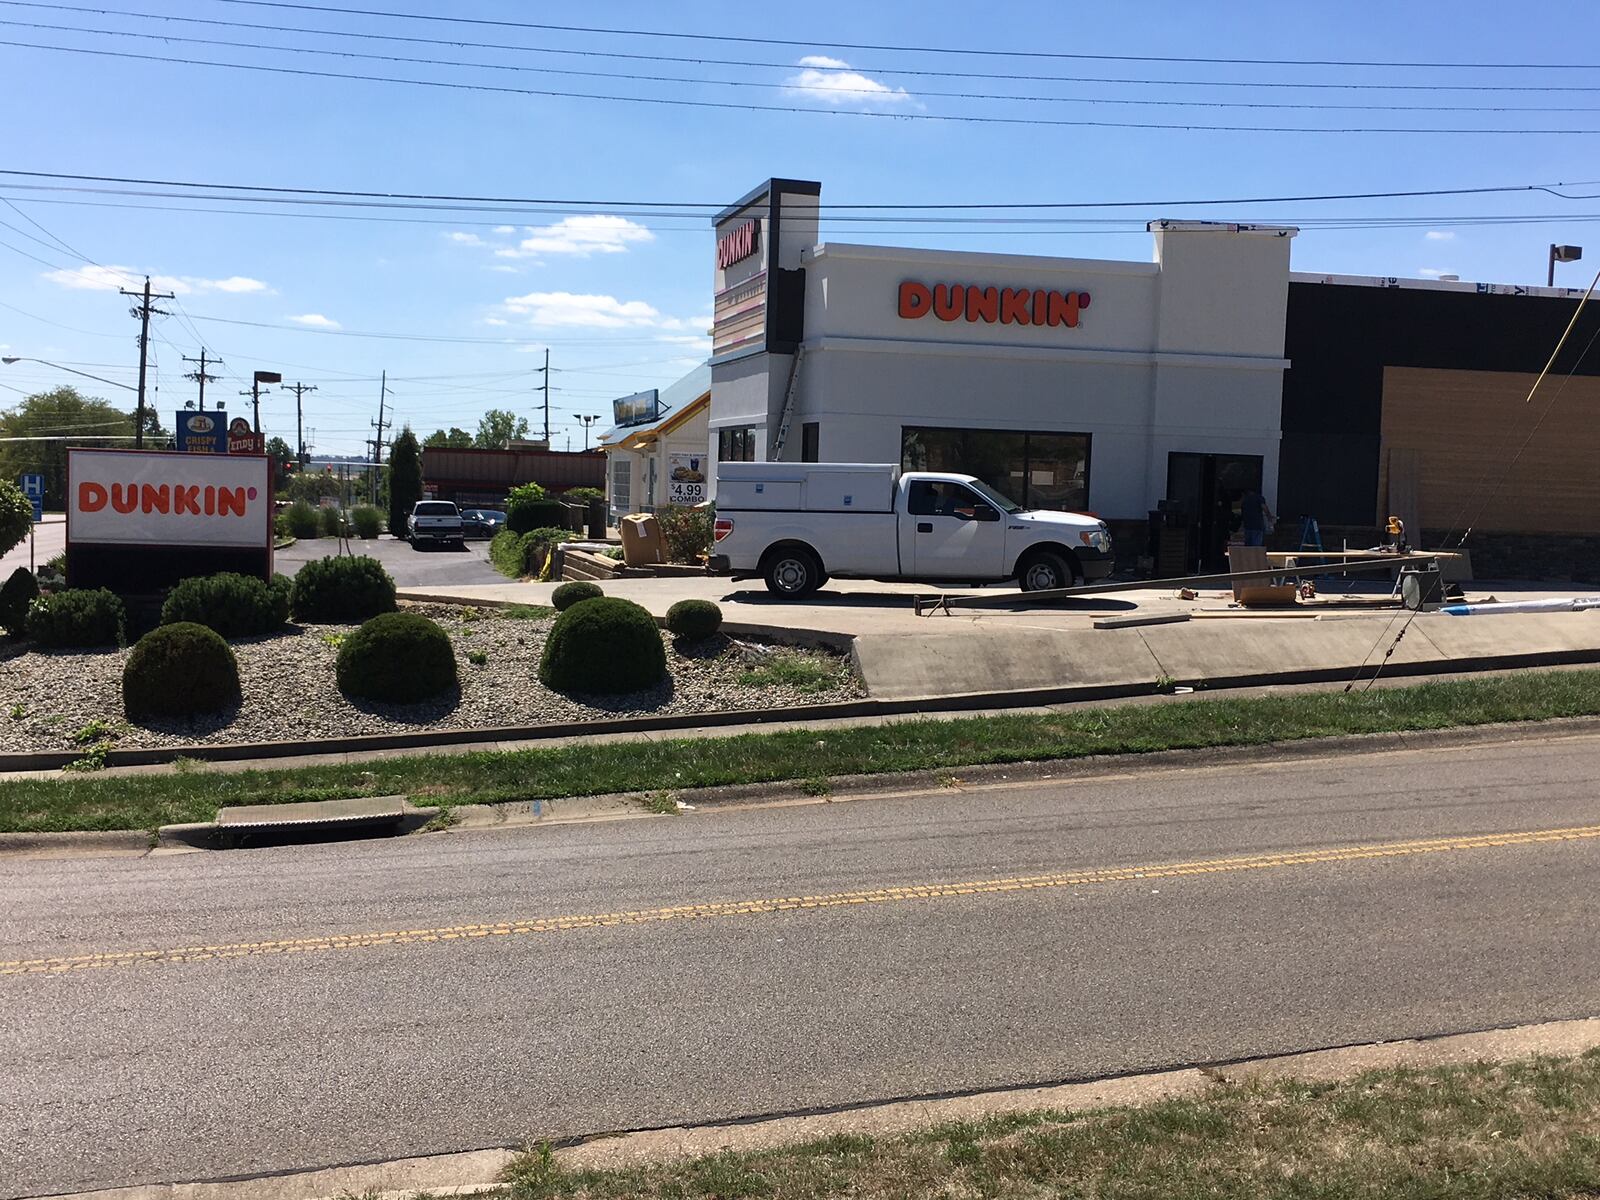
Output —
<point x="303" y="519"/>
<point x="520" y="555"/>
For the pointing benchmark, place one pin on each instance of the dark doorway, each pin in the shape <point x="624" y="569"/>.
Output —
<point x="1206" y="489"/>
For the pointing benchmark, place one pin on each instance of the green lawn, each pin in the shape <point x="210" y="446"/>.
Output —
<point x="91" y="801"/>
<point x="1481" y="1132"/>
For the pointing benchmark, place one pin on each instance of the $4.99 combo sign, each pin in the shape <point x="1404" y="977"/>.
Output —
<point x="156" y="498"/>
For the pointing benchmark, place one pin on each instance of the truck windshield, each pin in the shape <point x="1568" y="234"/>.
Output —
<point x="994" y="497"/>
<point x="435" y="508"/>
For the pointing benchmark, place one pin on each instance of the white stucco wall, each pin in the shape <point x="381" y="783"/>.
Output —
<point x="1180" y="354"/>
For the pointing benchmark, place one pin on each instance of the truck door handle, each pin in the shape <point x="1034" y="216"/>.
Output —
<point x="924" y="526"/>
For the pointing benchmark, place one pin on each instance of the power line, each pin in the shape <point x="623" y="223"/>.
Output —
<point x="726" y="106"/>
<point x="816" y="43"/>
<point x="712" y="207"/>
<point x="790" y="65"/>
<point x="789" y="86"/>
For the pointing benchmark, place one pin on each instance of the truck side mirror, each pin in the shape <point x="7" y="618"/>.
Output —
<point x="982" y="512"/>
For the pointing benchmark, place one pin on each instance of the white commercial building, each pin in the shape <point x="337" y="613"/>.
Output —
<point x="1066" y="383"/>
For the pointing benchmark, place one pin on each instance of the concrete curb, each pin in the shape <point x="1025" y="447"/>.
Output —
<point x="473" y="1172"/>
<point x="868" y="707"/>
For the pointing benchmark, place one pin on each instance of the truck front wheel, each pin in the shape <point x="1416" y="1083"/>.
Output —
<point x="792" y="573"/>
<point x="1045" y="571"/>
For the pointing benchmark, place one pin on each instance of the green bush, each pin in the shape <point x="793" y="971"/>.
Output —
<point x="21" y="590"/>
<point x="568" y="594"/>
<point x="685" y="532"/>
<point x="180" y="670"/>
<point x="521" y="555"/>
<point x="77" y="618"/>
<point x="529" y="508"/>
<point x="16" y="515"/>
<point x="347" y="588"/>
<point x="232" y="605"/>
<point x="694" y="620"/>
<point x="367" y="520"/>
<point x="300" y="519"/>
<point x="605" y="647"/>
<point x="331" y="521"/>
<point x="398" y="658"/>
<point x="583" y="495"/>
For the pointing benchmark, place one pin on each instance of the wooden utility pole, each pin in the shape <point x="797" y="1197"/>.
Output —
<point x="299" y="390"/>
<point x="200" y="376"/>
<point x="142" y="310"/>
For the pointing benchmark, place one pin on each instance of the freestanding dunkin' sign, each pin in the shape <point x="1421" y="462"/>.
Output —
<point x="139" y="521"/>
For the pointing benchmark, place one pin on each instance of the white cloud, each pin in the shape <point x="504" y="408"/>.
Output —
<point x="1433" y="272"/>
<point x="571" y="308"/>
<point x="464" y="239"/>
<point x="494" y="321"/>
<point x="504" y="269"/>
<point x="316" y="321"/>
<point x="1440" y="235"/>
<point x="581" y="236"/>
<point x="92" y="278"/>
<point x="503" y="229"/>
<point x="830" y="81"/>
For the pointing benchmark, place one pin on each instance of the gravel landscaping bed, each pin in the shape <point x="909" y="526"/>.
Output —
<point x="51" y="699"/>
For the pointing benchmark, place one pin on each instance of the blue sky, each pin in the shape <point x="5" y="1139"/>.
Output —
<point x="623" y="301"/>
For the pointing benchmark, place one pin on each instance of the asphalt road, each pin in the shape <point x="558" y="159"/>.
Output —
<point x="432" y="566"/>
<point x="370" y="1000"/>
<point x="50" y="539"/>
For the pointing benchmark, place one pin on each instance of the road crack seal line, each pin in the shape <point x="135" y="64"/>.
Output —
<point x="775" y="904"/>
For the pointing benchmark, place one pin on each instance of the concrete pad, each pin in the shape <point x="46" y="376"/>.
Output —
<point x="987" y="659"/>
<point x="1510" y="633"/>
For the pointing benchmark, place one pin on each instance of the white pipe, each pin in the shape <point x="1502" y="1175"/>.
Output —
<point x="1555" y="604"/>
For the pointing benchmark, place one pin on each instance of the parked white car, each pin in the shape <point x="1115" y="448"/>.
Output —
<point x="434" y="521"/>
<point x="795" y="525"/>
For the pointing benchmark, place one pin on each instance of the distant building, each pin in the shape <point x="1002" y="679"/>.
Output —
<point x="481" y="478"/>
<point x="658" y="452"/>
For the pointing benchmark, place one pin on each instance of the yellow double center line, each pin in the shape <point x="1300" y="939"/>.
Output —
<point x="775" y="904"/>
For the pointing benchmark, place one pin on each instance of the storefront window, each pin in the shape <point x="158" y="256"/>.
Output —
<point x="737" y="444"/>
<point x="1035" y="470"/>
<point x="621" y="486"/>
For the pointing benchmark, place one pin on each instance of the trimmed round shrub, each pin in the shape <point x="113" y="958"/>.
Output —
<point x="180" y="670"/>
<point x="694" y="620"/>
<point x="568" y="594"/>
<point x="21" y="590"/>
<point x="603" y="646"/>
<point x="367" y="520"/>
<point x="301" y="520"/>
<point x="81" y="617"/>
<point x="343" y="589"/>
<point x="233" y="605"/>
<point x="398" y="658"/>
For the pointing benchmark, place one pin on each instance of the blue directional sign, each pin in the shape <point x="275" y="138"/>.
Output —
<point x="33" y="489"/>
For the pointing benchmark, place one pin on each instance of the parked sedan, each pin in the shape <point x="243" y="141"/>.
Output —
<point x="482" y="522"/>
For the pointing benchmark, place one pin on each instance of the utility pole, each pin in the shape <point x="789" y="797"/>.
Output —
<point x="142" y="310"/>
<point x="299" y="390"/>
<point x="200" y="375"/>
<point x="378" y="427"/>
<point x="546" y="370"/>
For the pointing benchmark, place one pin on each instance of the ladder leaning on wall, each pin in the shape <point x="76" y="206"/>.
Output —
<point x="786" y="420"/>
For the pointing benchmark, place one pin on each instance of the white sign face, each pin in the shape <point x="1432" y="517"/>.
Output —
<point x="160" y="498"/>
<point x="686" y="478"/>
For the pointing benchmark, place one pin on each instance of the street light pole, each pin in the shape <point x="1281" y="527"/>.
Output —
<point x="1560" y="254"/>
<point x="13" y="358"/>
<point x="587" y="421"/>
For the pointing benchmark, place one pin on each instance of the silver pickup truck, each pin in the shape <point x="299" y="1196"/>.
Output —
<point x="435" y="521"/>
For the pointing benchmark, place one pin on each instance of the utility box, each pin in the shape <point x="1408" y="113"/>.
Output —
<point x="806" y="487"/>
<point x="641" y="540"/>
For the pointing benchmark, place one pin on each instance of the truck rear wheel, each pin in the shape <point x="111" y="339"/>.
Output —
<point x="1044" y="571"/>
<point x="792" y="573"/>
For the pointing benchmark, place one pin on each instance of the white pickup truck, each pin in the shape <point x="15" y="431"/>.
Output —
<point x="798" y="524"/>
<point x="434" y="521"/>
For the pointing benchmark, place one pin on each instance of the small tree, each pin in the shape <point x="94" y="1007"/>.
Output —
<point x="281" y="455"/>
<point x="16" y="515"/>
<point x="405" y="479"/>
<point x="456" y="439"/>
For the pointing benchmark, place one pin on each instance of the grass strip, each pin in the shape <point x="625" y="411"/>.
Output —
<point x="88" y="801"/>
<point x="1480" y="1132"/>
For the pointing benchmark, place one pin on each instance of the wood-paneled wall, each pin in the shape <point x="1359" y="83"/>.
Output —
<point x="1469" y="425"/>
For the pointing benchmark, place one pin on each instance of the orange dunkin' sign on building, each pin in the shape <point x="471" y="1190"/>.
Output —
<point x="1004" y="306"/>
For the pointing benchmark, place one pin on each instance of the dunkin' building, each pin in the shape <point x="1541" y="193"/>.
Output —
<point x="1179" y="383"/>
